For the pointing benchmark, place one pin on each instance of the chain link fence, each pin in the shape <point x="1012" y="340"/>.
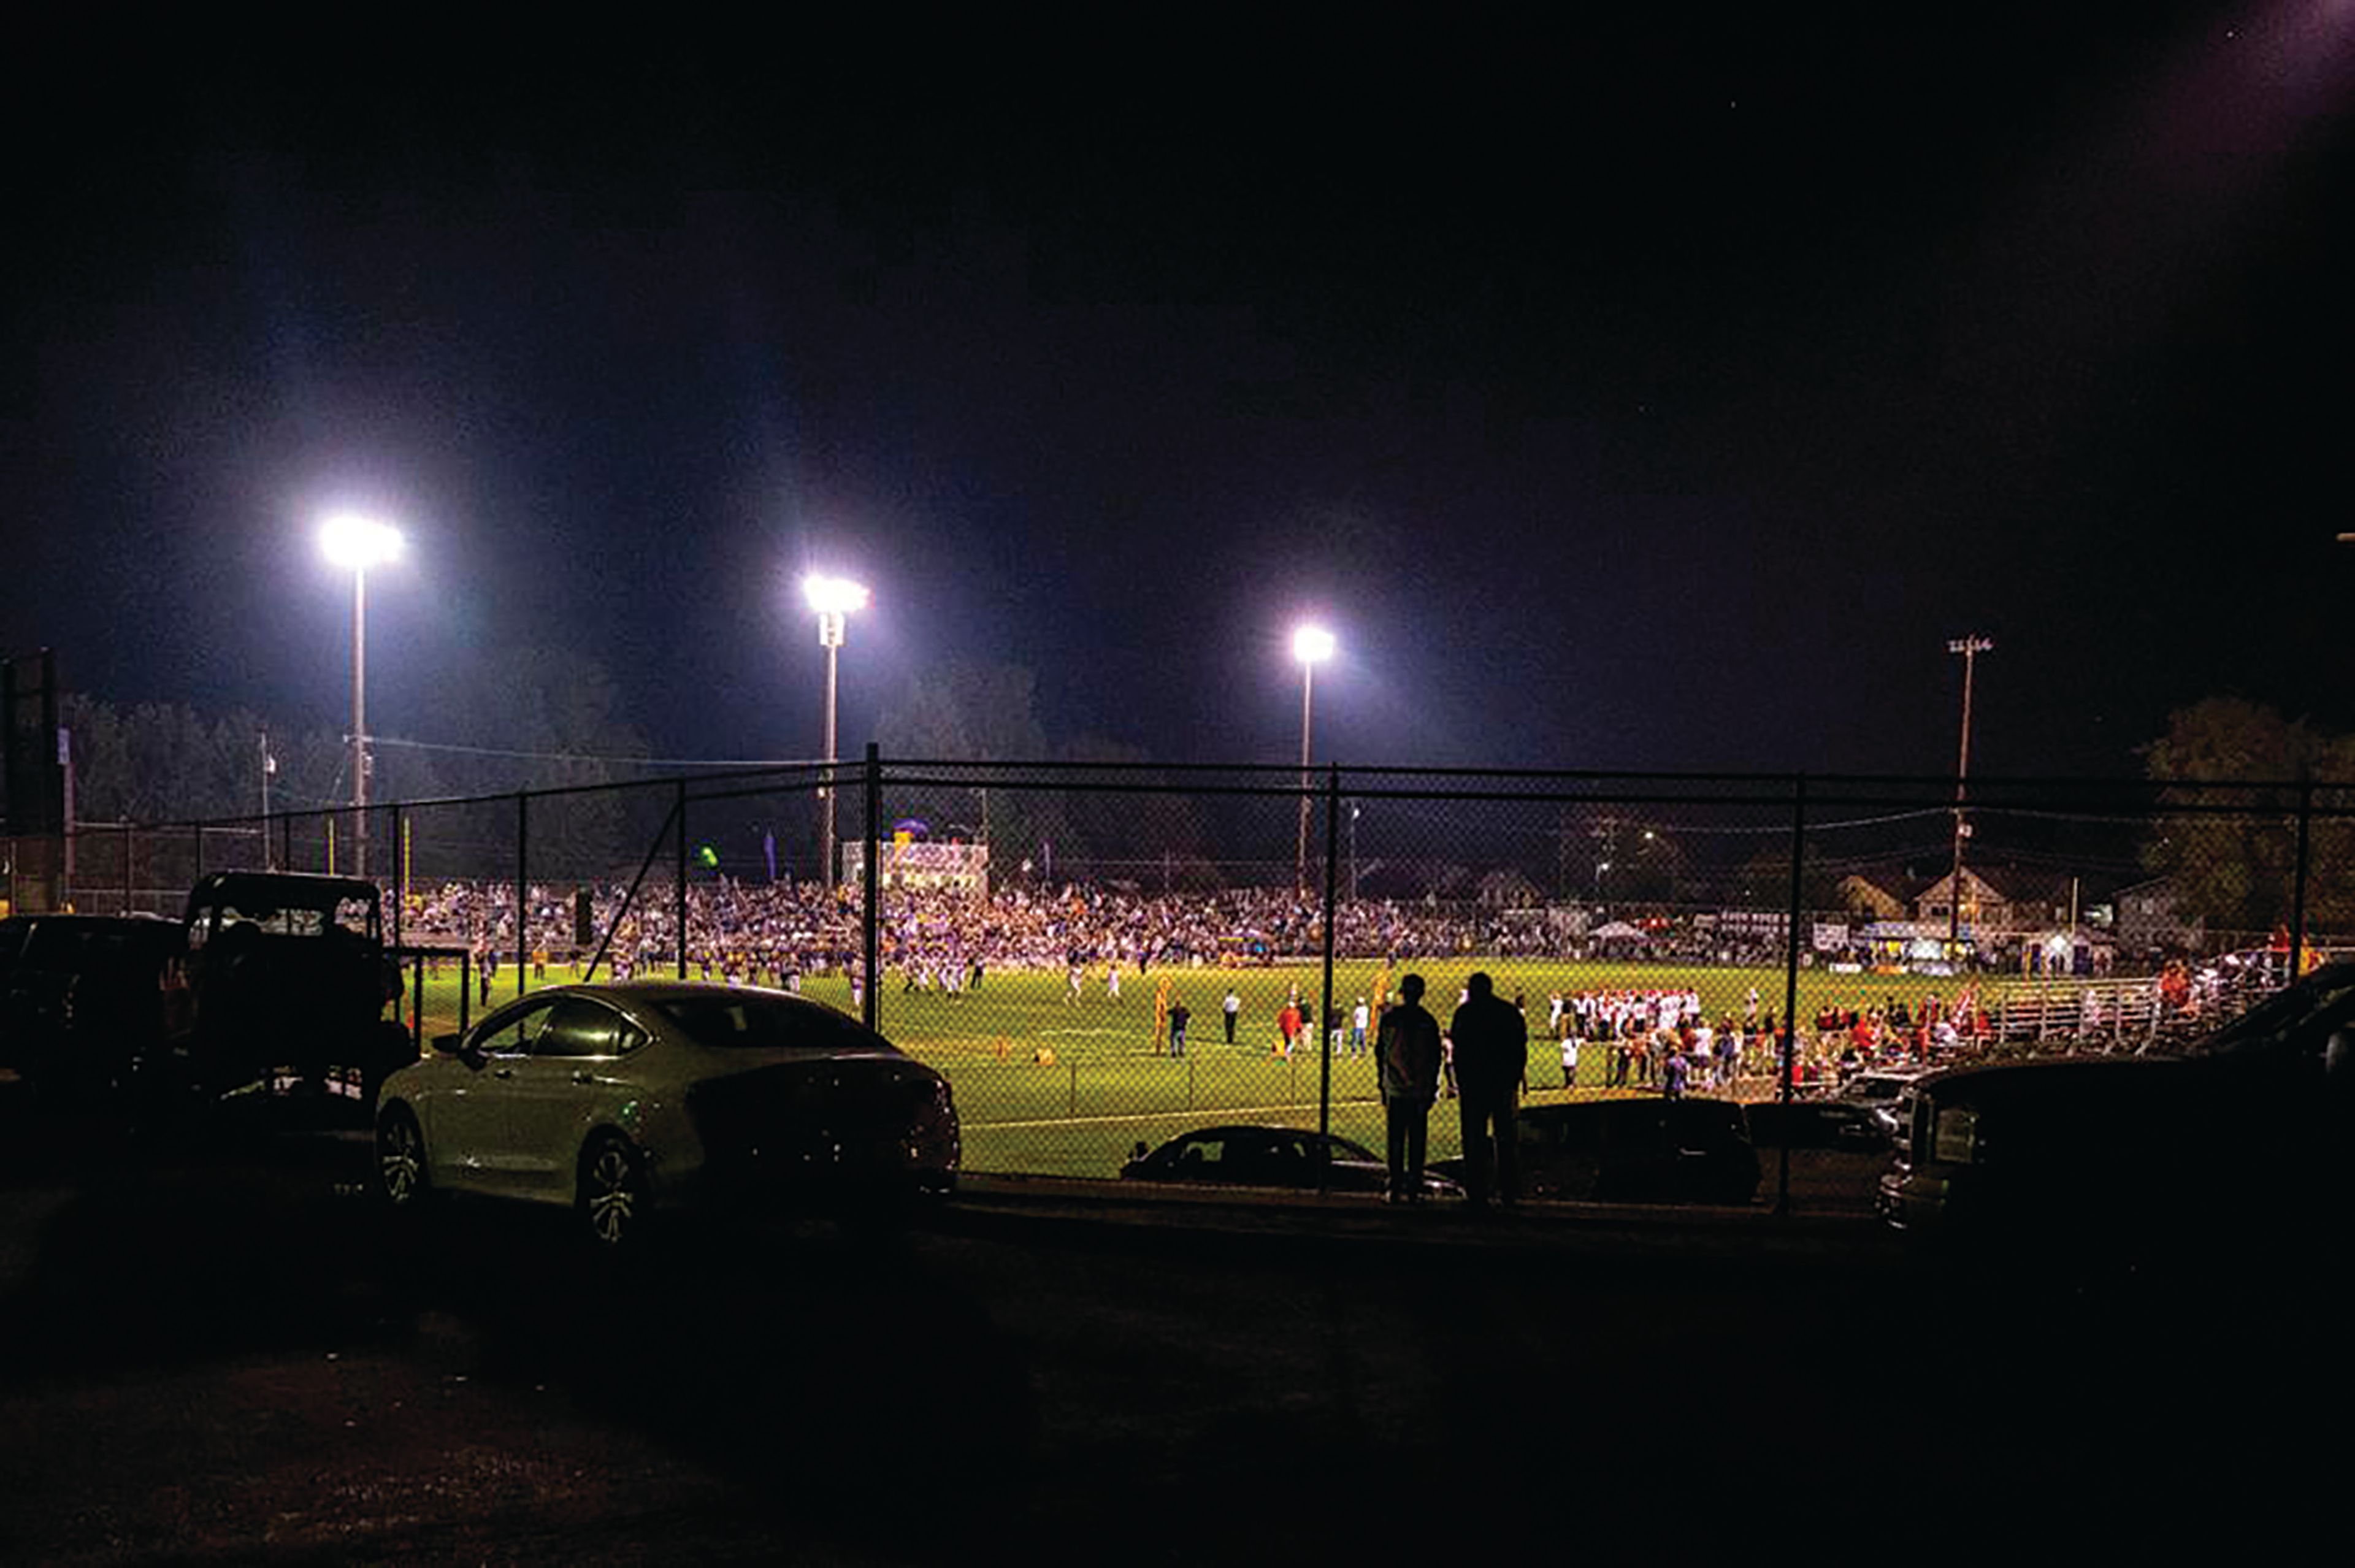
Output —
<point x="1105" y="957"/>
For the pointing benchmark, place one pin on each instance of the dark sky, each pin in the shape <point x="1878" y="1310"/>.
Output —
<point x="1664" y="392"/>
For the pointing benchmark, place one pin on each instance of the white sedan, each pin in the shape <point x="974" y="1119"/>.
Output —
<point x="619" y="1100"/>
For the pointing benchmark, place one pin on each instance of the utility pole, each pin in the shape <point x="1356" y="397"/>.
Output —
<point x="1970" y="648"/>
<point x="269" y="766"/>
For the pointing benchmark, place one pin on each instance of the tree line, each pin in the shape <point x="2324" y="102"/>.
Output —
<point x="545" y="718"/>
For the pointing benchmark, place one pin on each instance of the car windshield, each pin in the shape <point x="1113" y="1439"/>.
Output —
<point x="2271" y="1022"/>
<point x="346" y="914"/>
<point x="766" y="1023"/>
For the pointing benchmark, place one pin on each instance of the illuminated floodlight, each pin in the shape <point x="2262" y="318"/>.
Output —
<point x="356" y="543"/>
<point x="1312" y="644"/>
<point x="834" y="595"/>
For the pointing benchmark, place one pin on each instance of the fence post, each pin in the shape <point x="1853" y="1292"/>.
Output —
<point x="2298" y="901"/>
<point x="1325" y="1010"/>
<point x="522" y="890"/>
<point x="400" y="866"/>
<point x="871" y="918"/>
<point x="1788" y="1055"/>
<point x="679" y="885"/>
<point x="1072" y="1108"/>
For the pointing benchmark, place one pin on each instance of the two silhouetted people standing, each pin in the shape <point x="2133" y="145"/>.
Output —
<point x="1492" y="1062"/>
<point x="1406" y="1049"/>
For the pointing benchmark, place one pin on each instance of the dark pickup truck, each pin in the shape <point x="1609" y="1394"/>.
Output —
<point x="286" y="980"/>
<point x="2236" y="1145"/>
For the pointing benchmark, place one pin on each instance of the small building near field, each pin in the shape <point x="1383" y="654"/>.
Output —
<point x="2148" y="919"/>
<point x="1875" y="895"/>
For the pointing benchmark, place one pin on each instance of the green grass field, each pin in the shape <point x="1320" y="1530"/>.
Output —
<point x="1054" y="1087"/>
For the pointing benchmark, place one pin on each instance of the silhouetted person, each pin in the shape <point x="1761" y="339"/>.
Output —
<point x="1492" y="1059"/>
<point x="1406" y="1049"/>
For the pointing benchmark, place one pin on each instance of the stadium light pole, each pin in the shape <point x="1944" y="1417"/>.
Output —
<point x="1970" y="649"/>
<point x="1354" y="814"/>
<point x="357" y="544"/>
<point x="1311" y="645"/>
<point x="834" y="598"/>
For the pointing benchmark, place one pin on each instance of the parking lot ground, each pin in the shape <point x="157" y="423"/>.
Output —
<point x="224" y="1355"/>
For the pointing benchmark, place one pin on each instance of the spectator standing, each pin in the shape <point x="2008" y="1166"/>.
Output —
<point x="1492" y="1061"/>
<point x="1359" y="1018"/>
<point x="1231" y="1006"/>
<point x="1287" y="1027"/>
<point x="1178" y="1017"/>
<point x="1569" y="1059"/>
<point x="1407" y="1052"/>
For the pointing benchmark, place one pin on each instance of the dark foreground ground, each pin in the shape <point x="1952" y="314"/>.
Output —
<point x="227" y="1357"/>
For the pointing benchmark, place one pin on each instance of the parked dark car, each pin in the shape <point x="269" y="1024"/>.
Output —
<point x="2242" y="1142"/>
<point x="1864" y="1112"/>
<point x="1636" y="1151"/>
<point x="82" y="998"/>
<point x="1270" y="1157"/>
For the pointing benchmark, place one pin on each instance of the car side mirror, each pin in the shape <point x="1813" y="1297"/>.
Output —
<point x="455" y="1045"/>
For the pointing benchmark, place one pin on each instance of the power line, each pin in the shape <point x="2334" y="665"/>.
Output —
<point x="593" y="757"/>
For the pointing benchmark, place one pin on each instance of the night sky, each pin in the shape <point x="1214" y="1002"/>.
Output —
<point x="1657" y="393"/>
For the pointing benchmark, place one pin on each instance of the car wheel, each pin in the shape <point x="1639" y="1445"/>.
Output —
<point x="401" y="1180"/>
<point x="612" y="1192"/>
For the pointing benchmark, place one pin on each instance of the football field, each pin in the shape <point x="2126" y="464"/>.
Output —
<point x="1052" y="1083"/>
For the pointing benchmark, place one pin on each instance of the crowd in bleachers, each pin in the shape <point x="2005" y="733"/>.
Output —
<point x="776" y="929"/>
